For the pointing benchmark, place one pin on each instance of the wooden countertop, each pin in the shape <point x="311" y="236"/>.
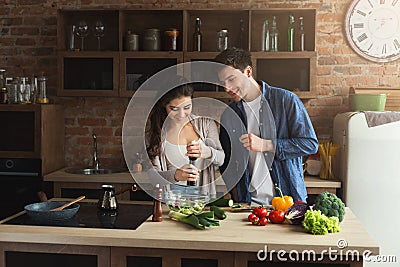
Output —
<point x="126" y="177"/>
<point x="173" y="235"/>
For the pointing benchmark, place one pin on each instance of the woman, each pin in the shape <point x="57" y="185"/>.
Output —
<point x="174" y="134"/>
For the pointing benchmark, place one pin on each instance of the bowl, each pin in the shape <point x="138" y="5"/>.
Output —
<point x="42" y="211"/>
<point x="185" y="202"/>
<point x="368" y="102"/>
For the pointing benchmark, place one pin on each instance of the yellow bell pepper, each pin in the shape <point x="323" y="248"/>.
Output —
<point x="282" y="202"/>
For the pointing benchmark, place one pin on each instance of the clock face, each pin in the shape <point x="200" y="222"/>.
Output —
<point x="373" y="29"/>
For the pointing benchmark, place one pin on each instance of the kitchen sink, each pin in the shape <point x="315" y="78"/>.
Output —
<point x="93" y="171"/>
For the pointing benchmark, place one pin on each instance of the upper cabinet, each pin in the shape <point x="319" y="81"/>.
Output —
<point x="112" y="52"/>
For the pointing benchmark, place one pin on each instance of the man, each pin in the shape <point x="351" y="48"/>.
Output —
<point x="273" y="133"/>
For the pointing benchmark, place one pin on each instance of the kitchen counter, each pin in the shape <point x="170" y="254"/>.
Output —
<point x="62" y="180"/>
<point x="165" y="239"/>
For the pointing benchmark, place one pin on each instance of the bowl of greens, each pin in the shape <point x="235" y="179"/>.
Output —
<point x="186" y="202"/>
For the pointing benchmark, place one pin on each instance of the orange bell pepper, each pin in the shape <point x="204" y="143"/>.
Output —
<point x="282" y="202"/>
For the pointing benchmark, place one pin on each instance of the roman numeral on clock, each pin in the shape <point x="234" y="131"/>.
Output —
<point x="361" y="13"/>
<point x="358" y="25"/>
<point x="384" y="49"/>
<point x="396" y="44"/>
<point x="394" y="2"/>
<point x="382" y="2"/>
<point x="362" y="37"/>
<point x="369" y="2"/>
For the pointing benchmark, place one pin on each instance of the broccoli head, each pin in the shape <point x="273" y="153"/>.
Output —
<point x="330" y="205"/>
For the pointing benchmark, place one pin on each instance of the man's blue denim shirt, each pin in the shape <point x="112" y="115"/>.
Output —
<point x="285" y="121"/>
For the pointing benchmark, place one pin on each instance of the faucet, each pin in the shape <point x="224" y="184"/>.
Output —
<point x="95" y="159"/>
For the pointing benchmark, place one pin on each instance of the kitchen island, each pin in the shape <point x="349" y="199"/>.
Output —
<point x="168" y="243"/>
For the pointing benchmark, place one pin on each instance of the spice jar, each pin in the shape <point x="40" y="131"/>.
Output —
<point x="151" y="40"/>
<point x="171" y="39"/>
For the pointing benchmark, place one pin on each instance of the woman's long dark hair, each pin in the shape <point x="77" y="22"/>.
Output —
<point x="158" y="115"/>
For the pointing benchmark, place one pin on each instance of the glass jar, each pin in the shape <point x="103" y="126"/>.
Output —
<point x="3" y="88"/>
<point x="222" y="40"/>
<point x="42" y="96"/>
<point x="171" y="39"/>
<point x="151" y="40"/>
<point x="2" y="78"/>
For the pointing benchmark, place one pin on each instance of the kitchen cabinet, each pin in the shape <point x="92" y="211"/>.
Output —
<point x="113" y="71"/>
<point x="32" y="132"/>
<point x="169" y="243"/>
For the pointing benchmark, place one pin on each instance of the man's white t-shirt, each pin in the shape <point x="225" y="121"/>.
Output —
<point x="261" y="186"/>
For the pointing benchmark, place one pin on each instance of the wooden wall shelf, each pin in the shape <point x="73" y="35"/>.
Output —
<point x="112" y="71"/>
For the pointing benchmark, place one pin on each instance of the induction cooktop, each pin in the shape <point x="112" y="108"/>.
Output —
<point x="128" y="216"/>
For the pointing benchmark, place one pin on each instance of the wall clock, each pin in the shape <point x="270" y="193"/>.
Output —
<point x="373" y="29"/>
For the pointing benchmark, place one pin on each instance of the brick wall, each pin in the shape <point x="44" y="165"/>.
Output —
<point x="28" y="46"/>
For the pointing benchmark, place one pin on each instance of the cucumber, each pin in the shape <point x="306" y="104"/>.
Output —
<point x="222" y="202"/>
<point x="219" y="213"/>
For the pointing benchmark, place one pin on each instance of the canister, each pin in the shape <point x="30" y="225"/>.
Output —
<point x="151" y="40"/>
<point x="171" y="39"/>
<point x="131" y="42"/>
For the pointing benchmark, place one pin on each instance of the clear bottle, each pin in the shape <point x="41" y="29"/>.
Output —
<point x="71" y="43"/>
<point x="265" y="36"/>
<point x="34" y="89"/>
<point x="302" y="35"/>
<point x="291" y="33"/>
<point x="274" y="36"/>
<point x="25" y="91"/>
<point x="197" y="36"/>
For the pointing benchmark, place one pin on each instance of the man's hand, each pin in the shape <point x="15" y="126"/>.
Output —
<point x="255" y="143"/>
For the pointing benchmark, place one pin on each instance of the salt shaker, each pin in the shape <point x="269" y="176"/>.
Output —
<point x="157" y="209"/>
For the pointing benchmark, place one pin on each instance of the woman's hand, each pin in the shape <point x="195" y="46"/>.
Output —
<point x="187" y="172"/>
<point x="198" y="149"/>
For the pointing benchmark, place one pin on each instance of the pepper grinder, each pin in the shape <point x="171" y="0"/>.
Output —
<point x="157" y="209"/>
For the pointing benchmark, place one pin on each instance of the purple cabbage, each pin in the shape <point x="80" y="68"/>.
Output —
<point x="295" y="214"/>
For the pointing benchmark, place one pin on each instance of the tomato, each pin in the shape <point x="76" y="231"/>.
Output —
<point x="276" y="216"/>
<point x="260" y="212"/>
<point x="255" y="220"/>
<point x="251" y="217"/>
<point x="263" y="221"/>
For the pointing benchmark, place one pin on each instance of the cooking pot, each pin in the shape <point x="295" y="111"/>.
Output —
<point x="43" y="212"/>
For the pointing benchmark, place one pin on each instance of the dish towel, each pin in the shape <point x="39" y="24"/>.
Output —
<point x="375" y="118"/>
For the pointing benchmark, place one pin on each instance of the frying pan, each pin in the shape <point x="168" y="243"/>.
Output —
<point x="42" y="211"/>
